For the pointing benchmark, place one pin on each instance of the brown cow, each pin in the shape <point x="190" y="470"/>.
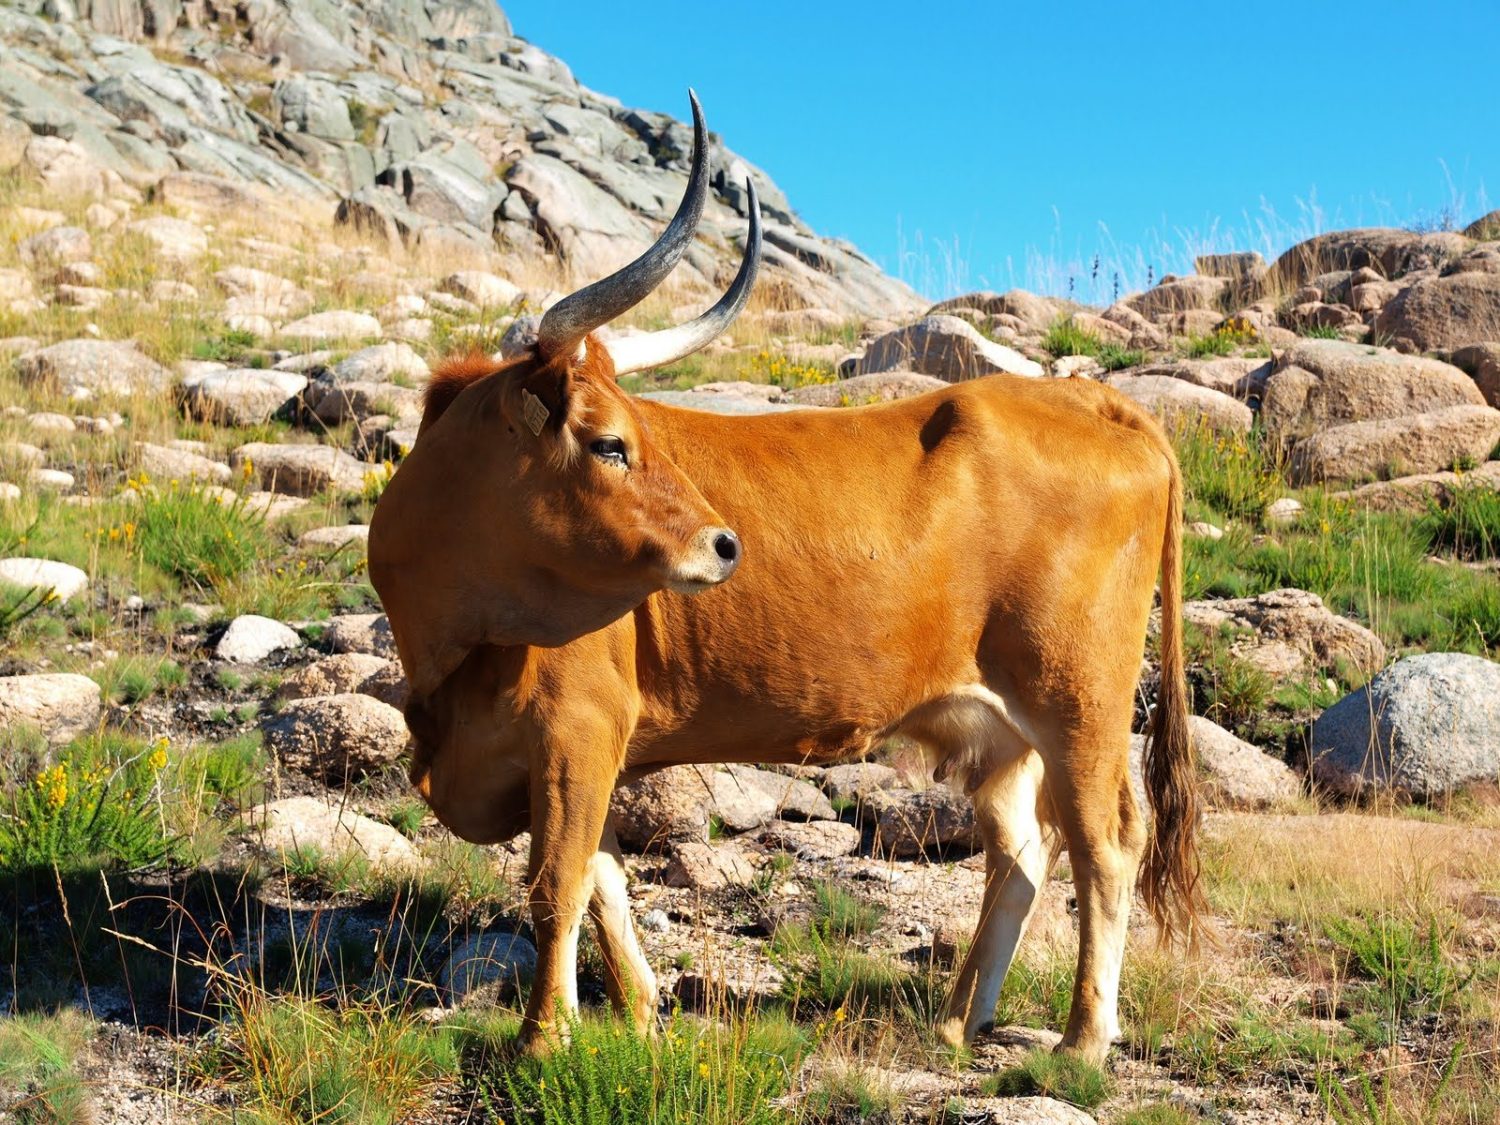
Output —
<point x="973" y="568"/>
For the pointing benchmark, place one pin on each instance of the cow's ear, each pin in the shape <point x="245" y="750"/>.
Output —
<point x="539" y="395"/>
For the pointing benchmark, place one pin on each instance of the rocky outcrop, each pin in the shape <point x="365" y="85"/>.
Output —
<point x="429" y="123"/>
<point x="1318" y="384"/>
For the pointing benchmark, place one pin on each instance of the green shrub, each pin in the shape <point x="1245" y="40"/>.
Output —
<point x="1051" y="1075"/>
<point x="131" y="679"/>
<point x="294" y="1061"/>
<point x="39" y="1081"/>
<point x="1235" y="475"/>
<point x="1470" y="524"/>
<point x="841" y="914"/>
<point x="1115" y="357"/>
<point x="98" y="806"/>
<point x="1067" y="337"/>
<point x="608" y="1075"/>
<point x="1406" y="962"/>
<point x="193" y="534"/>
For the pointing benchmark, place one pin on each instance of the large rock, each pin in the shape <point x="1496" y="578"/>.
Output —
<point x="813" y="840"/>
<point x="1177" y="402"/>
<point x="1289" y="633"/>
<point x="668" y="805"/>
<point x="164" y="462"/>
<point x="61" y="705"/>
<point x="1424" y="726"/>
<point x="62" y="579"/>
<point x="175" y="240"/>
<point x="241" y="396"/>
<point x="1388" y="252"/>
<point x="86" y="367"/>
<point x="1444" y="312"/>
<point x="254" y="292"/>
<point x="301" y="470"/>
<point x="1394" y="447"/>
<point x="1482" y="364"/>
<point x="56" y="247"/>
<point x="945" y="347"/>
<point x="911" y="824"/>
<point x="328" y="827"/>
<point x="701" y="866"/>
<point x="251" y="638"/>
<point x="790" y="798"/>
<point x="336" y="736"/>
<point x="1036" y="313"/>
<point x="1321" y="383"/>
<point x="1180" y="294"/>
<point x="487" y="290"/>
<point x="1419" y="492"/>
<point x="851" y="782"/>
<point x="380" y="363"/>
<point x="1240" y="378"/>
<point x="1237" y="775"/>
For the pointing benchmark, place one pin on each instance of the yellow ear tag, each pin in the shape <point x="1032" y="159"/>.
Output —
<point x="534" y="413"/>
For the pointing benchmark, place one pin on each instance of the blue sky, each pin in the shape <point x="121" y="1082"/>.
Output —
<point x="989" y="145"/>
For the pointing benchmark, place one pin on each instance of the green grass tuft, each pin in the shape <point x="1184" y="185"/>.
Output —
<point x="1052" y="1075"/>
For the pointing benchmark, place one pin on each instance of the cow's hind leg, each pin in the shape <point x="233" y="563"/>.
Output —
<point x="1089" y="786"/>
<point x="627" y="975"/>
<point x="1020" y="850"/>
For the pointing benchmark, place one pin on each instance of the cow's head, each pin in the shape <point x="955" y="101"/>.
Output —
<point x="535" y="507"/>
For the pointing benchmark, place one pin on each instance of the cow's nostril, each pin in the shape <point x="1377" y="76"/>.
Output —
<point x="727" y="546"/>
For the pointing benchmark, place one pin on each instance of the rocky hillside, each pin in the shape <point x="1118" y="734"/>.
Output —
<point x="427" y="122"/>
<point x="234" y="241"/>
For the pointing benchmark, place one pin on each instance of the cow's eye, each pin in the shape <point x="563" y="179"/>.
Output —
<point x="610" y="449"/>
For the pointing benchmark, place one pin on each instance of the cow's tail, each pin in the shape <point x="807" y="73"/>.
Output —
<point x="1169" y="872"/>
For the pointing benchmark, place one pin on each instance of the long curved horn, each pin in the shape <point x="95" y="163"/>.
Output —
<point x="656" y="349"/>
<point x="574" y="317"/>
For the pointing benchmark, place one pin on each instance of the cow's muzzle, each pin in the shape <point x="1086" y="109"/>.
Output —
<point x="713" y="556"/>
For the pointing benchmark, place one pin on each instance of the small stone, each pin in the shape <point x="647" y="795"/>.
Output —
<point x="330" y="828"/>
<point x="1200" y="530"/>
<point x="62" y="579"/>
<point x="53" y="480"/>
<point x="61" y="705"/>
<point x="706" y="867"/>
<point x="361" y="632"/>
<point x="336" y="737"/>
<point x="336" y="324"/>
<point x="251" y="638"/>
<point x="497" y="957"/>
<point x="1284" y="511"/>
<point x="333" y="675"/>
<point x="656" y="921"/>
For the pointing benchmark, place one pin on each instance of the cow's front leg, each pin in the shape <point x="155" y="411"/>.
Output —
<point x="627" y="974"/>
<point x="570" y="802"/>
